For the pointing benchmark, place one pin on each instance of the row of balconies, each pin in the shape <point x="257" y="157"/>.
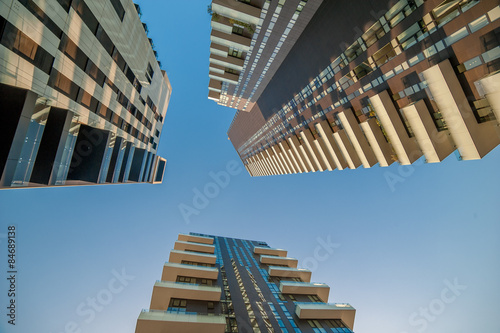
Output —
<point x="199" y="250"/>
<point x="287" y="269"/>
<point x="226" y="16"/>
<point x="351" y="142"/>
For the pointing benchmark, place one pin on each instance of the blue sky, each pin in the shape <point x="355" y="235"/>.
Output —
<point x="418" y="256"/>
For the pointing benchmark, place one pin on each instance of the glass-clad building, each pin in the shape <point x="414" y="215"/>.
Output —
<point x="324" y="85"/>
<point x="216" y="284"/>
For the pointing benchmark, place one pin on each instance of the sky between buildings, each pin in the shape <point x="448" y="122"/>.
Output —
<point x="413" y="249"/>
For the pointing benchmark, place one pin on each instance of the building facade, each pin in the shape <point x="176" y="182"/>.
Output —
<point x="215" y="284"/>
<point x="324" y="85"/>
<point x="82" y="94"/>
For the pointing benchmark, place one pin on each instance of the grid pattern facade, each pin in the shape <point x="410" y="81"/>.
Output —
<point x="390" y="83"/>
<point x="234" y="285"/>
<point x="86" y="94"/>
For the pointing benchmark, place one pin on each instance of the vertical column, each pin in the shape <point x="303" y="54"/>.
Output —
<point x="13" y="128"/>
<point x="295" y="145"/>
<point x="311" y="150"/>
<point x="326" y="134"/>
<point x="472" y="139"/>
<point x="357" y="138"/>
<point x="405" y="147"/>
<point x="277" y="152"/>
<point x="435" y="145"/>
<point x="347" y="149"/>
<point x="127" y="158"/>
<point x="381" y="148"/>
<point x="288" y="156"/>
<point x="51" y="146"/>
<point x="274" y="162"/>
<point x="490" y="87"/>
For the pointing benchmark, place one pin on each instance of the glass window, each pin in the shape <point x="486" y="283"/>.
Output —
<point x="373" y="34"/>
<point x="105" y="41"/>
<point x="478" y="23"/>
<point x="120" y="11"/>
<point x="384" y="54"/>
<point x="86" y="14"/>
<point x="238" y="29"/>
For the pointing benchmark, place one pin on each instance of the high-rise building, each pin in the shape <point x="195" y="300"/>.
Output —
<point x="215" y="284"/>
<point x="82" y="94"/>
<point x="323" y="85"/>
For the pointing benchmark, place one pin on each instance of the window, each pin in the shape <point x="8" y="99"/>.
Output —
<point x="94" y="72"/>
<point x="25" y="47"/>
<point x="86" y="14"/>
<point x="120" y="11"/>
<point x="40" y="15"/>
<point x="384" y="55"/>
<point x="301" y="6"/>
<point x="411" y="35"/>
<point x="177" y="305"/>
<point x="238" y="29"/>
<point x="374" y="33"/>
<point x="232" y="71"/>
<point x="117" y="57"/>
<point x="64" y="85"/>
<point x="72" y="51"/>
<point x="185" y="279"/>
<point x="66" y="4"/>
<point x="362" y="70"/>
<point x="337" y="323"/>
<point x="235" y="53"/>
<point x="105" y="41"/>
<point x="353" y="51"/>
<point x="231" y="325"/>
<point x="185" y="262"/>
<point x="316" y="326"/>
<point x="150" y="70"/>
<point x="314" y="298"/>
<point x="206" y="282"/>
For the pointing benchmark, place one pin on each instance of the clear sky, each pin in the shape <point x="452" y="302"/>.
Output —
<point x="420" y="255"/>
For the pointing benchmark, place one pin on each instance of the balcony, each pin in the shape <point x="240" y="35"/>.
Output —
<point x="278" y="261"/>
<point x="473" y="140"/>
<point x="435" y="145"/>
<point x="358" y="139"/>
<point x="172" y="270"/>
<point x="195" y="239"/>
<point x="285" y="272"/>
<point x="319" y="311"/>
<point x="381" y="148"/>
<point x="305" y="288"/>
<point x="227" y="61"/>
<point x="214" y="95"/>
<point x="202" y="258"/>
<point x="163" y="291"/>
<point x="187" y="246"/>
<point x="405" y="147"/>
<point x="237" y="10"/>
<point x="151" y="321"/>
<point x="230" y="40"/>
